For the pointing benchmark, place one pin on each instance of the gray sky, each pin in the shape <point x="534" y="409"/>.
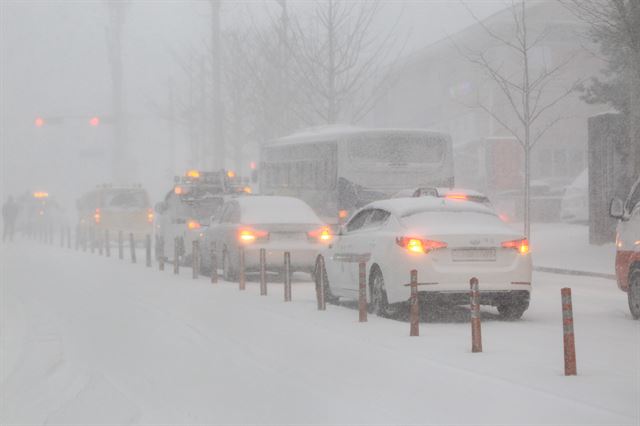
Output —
<point x="54" y="63"/>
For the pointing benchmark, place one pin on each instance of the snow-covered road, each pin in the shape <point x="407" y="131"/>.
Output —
<point x="95" y="340"/>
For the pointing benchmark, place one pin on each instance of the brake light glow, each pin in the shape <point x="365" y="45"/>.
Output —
<point x="193" y="174"/>
<point x="149" y="215"/>
<point x="419" y="245"/>
<point x="342" y="214"/>
<point x="521" y="245"/>
<point x="231" y="174"/>
<point x="193" y="224"/>
<point x="323" y="234"/>
<point x="96" y="216"/>
<point x="247" y="190"/>
<point x="40" y="194"/>
<point x="177" y="190"/>
<point x="456" y="197"/>
<point x="247" y="235"/>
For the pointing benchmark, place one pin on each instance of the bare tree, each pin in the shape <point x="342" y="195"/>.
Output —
<point x="615" y="25"/>
<point x="530" y="98"/>
<point x="341" y="60"/>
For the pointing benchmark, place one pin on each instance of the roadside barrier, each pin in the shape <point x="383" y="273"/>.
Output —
<point x="568" y="336"/>
<point x="263" y="272"/>
<point x="476" y="334"/>
<point x="160" y="243"/>
<point x="414" y="306"/>
<point x="241" y="277"/>
<point x="321" y="286"/>
<point x="132" y="246"/>
<point x="195" y="259"/>
<point x="120" y="245"/>
<point x="362" y="292"/>
<point x="214" y="265"/>
<point x="287" y="276"/>
<point x="107" y="243"/>
<point x="147" y="246"/>
<point x="176" y="256"/>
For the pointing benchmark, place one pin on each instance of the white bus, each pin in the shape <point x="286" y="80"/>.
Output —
<point x="337" y="170"/>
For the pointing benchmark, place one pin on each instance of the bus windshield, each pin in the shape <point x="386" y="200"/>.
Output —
<point x="397" y="149"/>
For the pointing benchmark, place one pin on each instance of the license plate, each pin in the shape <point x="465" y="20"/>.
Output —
<point x="473" y="255"/>
<point x="288" y="236"/>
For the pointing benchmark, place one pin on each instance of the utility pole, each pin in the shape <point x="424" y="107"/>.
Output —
<point x="120" y="163"/>
<point x="219" y="154"/>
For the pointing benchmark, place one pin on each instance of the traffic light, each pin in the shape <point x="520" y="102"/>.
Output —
<point x="94" y="121"/>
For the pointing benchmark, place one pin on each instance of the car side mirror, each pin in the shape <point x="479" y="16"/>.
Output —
<point x="616" y="208"/>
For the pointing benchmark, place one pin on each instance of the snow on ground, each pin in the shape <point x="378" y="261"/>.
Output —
<point x="566" y="246"/>
<point x="95" y="340"/>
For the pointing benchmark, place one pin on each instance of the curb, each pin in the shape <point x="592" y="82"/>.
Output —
<point x="574" y="272"/>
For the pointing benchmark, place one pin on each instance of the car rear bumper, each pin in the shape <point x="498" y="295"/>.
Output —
<point x="491" y="298"/>
<point x="301" y="259"/>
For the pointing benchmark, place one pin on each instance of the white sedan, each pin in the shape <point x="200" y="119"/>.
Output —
<point x="448" y="241"/>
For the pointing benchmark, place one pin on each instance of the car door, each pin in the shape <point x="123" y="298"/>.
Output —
<point x="343" y="268"/>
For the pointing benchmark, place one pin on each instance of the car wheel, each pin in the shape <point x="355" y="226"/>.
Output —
<point x="512" y="311"/>
<point x="227" y="271"/>
<point x="379" y="302"/>
<point x="633" y="292"/>
<point x="321" y="273"/>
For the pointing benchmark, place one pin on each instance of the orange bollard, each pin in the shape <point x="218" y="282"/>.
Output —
<point x="568" y="336"/>
<point x="147" y="246"/>
<point x="414" y="305"/>
<point x="362" y="291"/>
<point x="176" y="256"/>
<point x="214" y="266"/>
<point x="321" y="287"/>
<point x="476" y="335"/>
<point x="287" y="276"/>
<point x="120" y="245"/>
<point x="242" y="284"/>
<point x="160" y="242"/>
<point x="107" y="243"/>
<point x="195" y="259"/>
<point x="263" y="272"/>
<point x="132" y="245"/>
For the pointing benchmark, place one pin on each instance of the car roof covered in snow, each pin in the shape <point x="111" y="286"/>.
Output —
<point x="326" y="133"/>
<point x="407" y="206"/>
<point x="275" y="209"/>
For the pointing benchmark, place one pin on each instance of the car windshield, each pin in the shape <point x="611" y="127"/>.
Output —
<point x="277" y="210"/>
<point x="204" y="209"/>
<point x="125" y="199"/>
<point x="462" y="221"/>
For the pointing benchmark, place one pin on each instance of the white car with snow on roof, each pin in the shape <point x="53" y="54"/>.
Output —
<point x="448" y="241"/>
<point x="276" y="224"/>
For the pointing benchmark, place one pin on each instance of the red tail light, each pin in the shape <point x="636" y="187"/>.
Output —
<point x="149" y="215"/>
<point x="419" y="245"/>
<point x="323" y="234"/>
<point x="193" y="224"/>
<point x="96" y="216"/>
<point x="521" y="245"/>
<point x="456" y="197"/>
<point x="248" y="235"/>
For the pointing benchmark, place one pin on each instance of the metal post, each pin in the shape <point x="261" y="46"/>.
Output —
<point x="476" y="335"/>
<point x="241" y="277"/>
<point x="132" y="246"/>
<point x="362" y="293"/>
<point x="69" y="238"/>
<point x="287" y="276"/>
<point x="100" y="242"/>
<point x="321" y="287"/>
<point x="568" y="336"/>
<point x="414" y="305"/>
<point x="214" y="265"/>
<point x="92" y="239"/>
<point x="61" y="236"/>
<point x="120" y="245"/>
<point x="195" y="258"/>
<point x="176" y="256"/>
<point x="263" y="273"/>
<point x="160" y="242"/>
<point x="84" y="240"/>
<point x="107" y="243"/>
<point x="147" y="246"/>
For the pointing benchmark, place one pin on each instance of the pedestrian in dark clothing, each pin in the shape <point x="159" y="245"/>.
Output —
<point x="9" y="215"/>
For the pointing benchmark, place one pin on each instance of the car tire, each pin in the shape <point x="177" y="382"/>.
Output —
<point x="379" y="302"/>
<point x="633" y="292"/>
<point x="321" y="273"/>
<point x="512" y="311"/>
<point x="228" y="274"/>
